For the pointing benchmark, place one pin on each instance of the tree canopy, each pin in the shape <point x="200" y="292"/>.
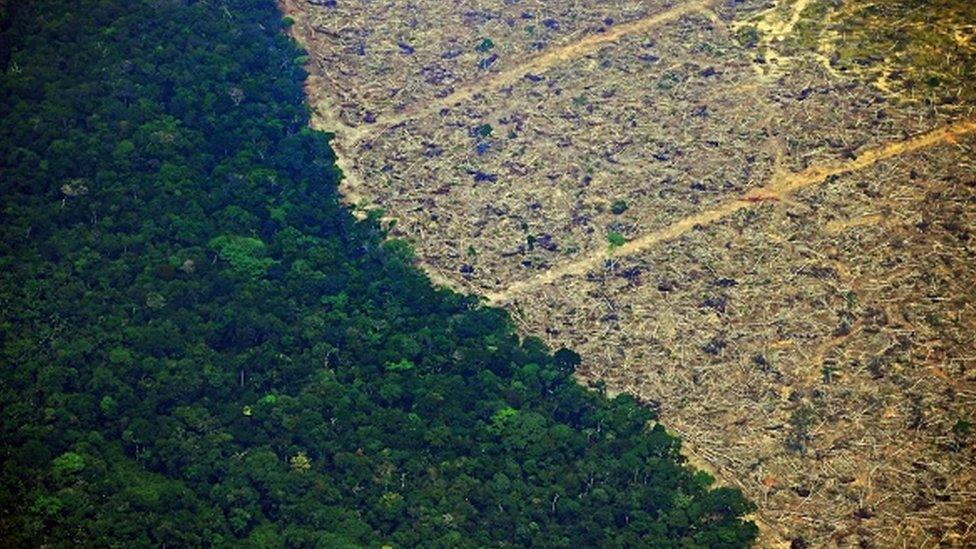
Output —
<point x="202" y="347"/>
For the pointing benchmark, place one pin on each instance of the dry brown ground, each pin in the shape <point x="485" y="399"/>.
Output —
<point x="795" y="294"/>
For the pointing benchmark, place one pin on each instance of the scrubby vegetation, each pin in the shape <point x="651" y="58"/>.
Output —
<point x="201" y="346"/>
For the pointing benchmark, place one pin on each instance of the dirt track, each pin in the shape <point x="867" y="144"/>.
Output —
<point x="535" y="65"/>
<point x="779" y="188"/>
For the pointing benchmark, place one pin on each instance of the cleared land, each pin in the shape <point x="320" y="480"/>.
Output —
<point x="758" y="217"/>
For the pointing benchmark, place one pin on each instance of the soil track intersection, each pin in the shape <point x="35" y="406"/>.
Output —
<point x="775" y="251"/>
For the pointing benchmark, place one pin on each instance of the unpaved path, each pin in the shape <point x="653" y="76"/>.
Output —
<point x="778" y="189"/>
<point x="535" y="65"/>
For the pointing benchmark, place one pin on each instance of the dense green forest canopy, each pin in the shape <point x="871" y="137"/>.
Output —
<point x="201" y="346"/>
